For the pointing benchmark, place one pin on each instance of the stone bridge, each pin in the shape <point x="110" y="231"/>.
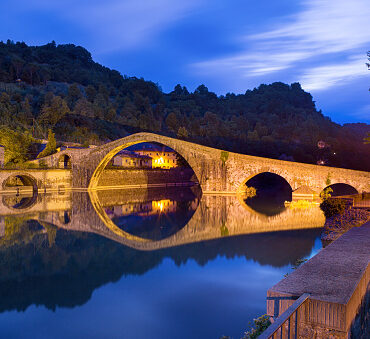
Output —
<point x="217" y="170"/>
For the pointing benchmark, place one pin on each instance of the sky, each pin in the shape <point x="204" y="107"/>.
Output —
<point x="227" y="45"/>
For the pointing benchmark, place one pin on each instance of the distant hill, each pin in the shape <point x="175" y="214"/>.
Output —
<point x="61" y="87"/>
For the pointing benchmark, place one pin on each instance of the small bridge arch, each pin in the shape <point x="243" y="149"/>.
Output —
<point x="271" y="171"/>
<point x="19" y="179"/>
<point x="340" y="188"/>
<point x="65" y="161"/>
<point x="22" y="183"/>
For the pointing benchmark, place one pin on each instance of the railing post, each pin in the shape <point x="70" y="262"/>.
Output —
<point x="296" y="325"/>
<point x="272" y="330"/>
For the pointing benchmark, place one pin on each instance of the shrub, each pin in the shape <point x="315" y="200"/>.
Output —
<point x="261" y="324"/>
<point x="50" y="147"/>
<point x="332" y="207"/>
<point x="326" y="193"/>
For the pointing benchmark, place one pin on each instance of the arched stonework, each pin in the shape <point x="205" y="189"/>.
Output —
<point x="65" y="161"/>
<point x="26" y="178"/>
<point x="217" y="170"/>
<point x="88" y="169"/>
<point x="342" y="183"/>
<point x="250" y="176"/>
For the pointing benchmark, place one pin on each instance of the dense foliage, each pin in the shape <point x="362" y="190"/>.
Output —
<point x="60" y="87"/>
<point x="261" y="323"/>
<point x="332" y="207"/>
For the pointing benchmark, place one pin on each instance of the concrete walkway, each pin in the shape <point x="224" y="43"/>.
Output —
<point x="336" y="278"/>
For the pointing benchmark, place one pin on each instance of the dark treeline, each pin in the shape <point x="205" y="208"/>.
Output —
<point x="62" y="88"/>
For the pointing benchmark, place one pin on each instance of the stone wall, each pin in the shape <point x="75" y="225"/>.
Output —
<point x="142" y="177"/>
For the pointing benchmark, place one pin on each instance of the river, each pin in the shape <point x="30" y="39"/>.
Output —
<point x="158" y="263"/>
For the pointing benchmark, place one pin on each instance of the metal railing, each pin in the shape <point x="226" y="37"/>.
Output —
<point x="279" y="329"/>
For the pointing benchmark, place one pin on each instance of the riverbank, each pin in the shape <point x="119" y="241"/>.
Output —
<point x="336" y="279"/>
<point x="339" y="224"/>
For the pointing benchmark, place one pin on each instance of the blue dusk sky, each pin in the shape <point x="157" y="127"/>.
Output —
<point x="228" y="45"/>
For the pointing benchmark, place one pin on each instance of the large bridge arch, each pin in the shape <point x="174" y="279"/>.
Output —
<point x="105" y="154"/>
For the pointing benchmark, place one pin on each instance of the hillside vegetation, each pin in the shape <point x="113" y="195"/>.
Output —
<point x="60" y="87"/>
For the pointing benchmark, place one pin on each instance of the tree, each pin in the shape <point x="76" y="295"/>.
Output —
<point x="84" y="108"/>
<point x="367" y="139"/>
<point x="182" y="133"/>
<point x="74" y="94"/>
<point x="51" y="146"/>
<point x="17" y="145"/>
<point x="52" y="112"/>
<point x="90" y="93"/>
<point x="172" y="122"/>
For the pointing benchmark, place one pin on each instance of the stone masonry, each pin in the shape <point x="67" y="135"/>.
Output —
<point x="217" y="170"/>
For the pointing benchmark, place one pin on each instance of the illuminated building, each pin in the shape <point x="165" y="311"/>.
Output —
<point x="131" y="160"/>
<point x="162" y="157"/>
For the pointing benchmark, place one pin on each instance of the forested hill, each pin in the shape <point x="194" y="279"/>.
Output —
<point x="62" y="88"/>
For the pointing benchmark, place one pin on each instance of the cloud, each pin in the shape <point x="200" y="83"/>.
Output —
<point x="118" y="24"/>
<point x="322" y="31"/>
<point x="323" y="77"/>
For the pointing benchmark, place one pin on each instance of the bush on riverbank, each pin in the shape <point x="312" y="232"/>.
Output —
<point x="338" y="224"/>
<point x="261" y="323"/>
<point x="332" y="207"/>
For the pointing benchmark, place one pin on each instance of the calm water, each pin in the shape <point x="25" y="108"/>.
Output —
<point x="164" y="263"/>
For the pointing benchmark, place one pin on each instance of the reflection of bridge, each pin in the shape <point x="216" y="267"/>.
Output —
<point x="215" y="217"/>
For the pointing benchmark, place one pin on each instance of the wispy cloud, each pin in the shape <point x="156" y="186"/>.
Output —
<point x="327" y="76"/>
<point x="322" y="31"/>
<point x="118" y="24"/>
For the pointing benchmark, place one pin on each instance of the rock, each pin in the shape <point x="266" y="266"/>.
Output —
<point x="337" y="225"/>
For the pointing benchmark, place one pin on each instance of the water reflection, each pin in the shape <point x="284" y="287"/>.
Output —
<point x="156" y="219"/>
<point x="20" y="201"/>
<point x="61" y="250"/>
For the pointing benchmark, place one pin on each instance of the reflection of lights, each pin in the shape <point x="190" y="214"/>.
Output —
<point x="163" y="205"/>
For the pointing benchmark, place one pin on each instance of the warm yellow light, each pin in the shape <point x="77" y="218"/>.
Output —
<point x="159" y="204"/>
